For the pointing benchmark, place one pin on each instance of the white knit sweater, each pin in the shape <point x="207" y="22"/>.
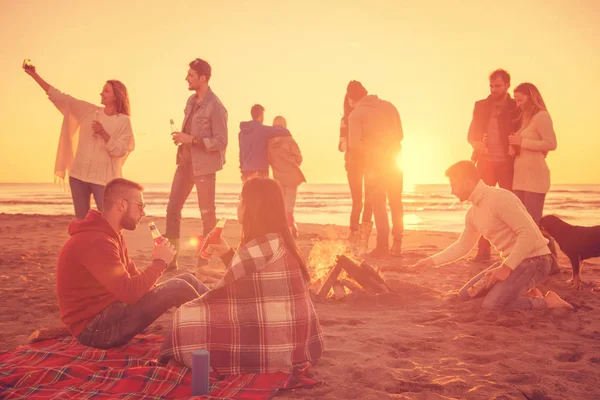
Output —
<point x="500" y="217"/>
<point x="95" y="160"/>
<point x="531" y="172"/>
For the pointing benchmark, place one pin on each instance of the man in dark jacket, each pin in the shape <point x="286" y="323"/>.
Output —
<point x="494" y="119"/>
<point x="254" y="142"/>
<point x="375" y="125"/>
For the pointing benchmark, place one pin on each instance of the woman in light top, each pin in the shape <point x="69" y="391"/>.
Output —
<point x="530" y="146"/>
<point x="94" y="141"/>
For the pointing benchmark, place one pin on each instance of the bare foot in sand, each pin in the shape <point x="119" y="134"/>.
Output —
<point x="553" y="300"/>
<point x="534" y="292"/>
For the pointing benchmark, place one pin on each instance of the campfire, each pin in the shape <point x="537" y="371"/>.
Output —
<point x="336" y="272"/>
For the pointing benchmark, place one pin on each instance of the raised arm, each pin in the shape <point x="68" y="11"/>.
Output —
<point x="31" y="71"/>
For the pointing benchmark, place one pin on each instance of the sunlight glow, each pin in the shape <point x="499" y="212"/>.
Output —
<point x="193" y="242"/>
<point x="418" y="163"/>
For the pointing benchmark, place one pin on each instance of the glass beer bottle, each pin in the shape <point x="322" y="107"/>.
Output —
<point x="213" y="237"/>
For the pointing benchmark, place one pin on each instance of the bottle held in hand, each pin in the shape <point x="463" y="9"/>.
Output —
<point x="213" y="237"/>
<point x="478" y="288"/>
<point x="156" y="236"/>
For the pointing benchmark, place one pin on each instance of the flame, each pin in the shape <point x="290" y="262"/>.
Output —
<point x="323" y="257"/>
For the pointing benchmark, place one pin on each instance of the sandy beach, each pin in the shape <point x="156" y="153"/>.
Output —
<point x="413" y="343"/>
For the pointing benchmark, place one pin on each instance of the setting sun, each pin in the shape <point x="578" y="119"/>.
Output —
<point x="417" y="164"/>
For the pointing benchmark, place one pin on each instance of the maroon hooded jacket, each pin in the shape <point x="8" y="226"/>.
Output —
<point x="94" y="271"/>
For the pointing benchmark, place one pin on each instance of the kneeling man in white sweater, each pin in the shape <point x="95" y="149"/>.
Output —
<point x="499" y="216"/>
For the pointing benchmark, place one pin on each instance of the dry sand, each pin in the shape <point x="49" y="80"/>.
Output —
<point x="413" y="343"/>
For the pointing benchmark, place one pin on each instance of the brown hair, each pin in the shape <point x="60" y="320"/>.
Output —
<point x="535" y="97"/>
<point x="121" y="96"/>
<point x="279" y="121"/>
<point x="500" y="73"/>
<point x="115" y="189"/>
<point x="202" y="68"/>
<point x="356" y="90"/>
<point x="264" y="212"/>
<point x="256" y="111"/>
<point x="463" y="171"/>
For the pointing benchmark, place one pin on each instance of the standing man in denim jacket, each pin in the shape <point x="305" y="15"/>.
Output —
<point x="200" y="154"/>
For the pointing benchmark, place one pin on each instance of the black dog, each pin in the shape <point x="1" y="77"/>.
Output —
<point x="577" y="242"/>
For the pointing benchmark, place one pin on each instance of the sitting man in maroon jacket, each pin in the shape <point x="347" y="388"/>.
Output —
<point x="102" y="297"/>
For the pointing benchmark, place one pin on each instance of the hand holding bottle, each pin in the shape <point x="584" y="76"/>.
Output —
<point x="163" y="250"/>
<point x="219" y="249"/>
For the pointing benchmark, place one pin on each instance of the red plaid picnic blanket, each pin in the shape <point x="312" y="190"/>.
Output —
<point x="65" y="369"/>
<point x="259" y="318"/>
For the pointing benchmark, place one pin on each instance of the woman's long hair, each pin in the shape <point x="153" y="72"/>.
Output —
<point x="121" y="97"/>
<point x="535" y="98"/>
<point x="264" y="212"/>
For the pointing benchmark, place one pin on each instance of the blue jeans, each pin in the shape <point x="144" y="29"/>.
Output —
<point x="120" y="322"/>
<point x="386" y="184"/>
<point x="533" y="202"/>
<point x="508" y="294"/>
<point x="183" y="183"/>
<point x="355" y="175"/>
<point x="81" y="193"/>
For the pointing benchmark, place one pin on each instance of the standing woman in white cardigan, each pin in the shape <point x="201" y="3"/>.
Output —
<point x="530" y="146"/>
<point x="94" y="141"/>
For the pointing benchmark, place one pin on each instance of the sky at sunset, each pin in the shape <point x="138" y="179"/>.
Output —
<point x="430" y="58"/>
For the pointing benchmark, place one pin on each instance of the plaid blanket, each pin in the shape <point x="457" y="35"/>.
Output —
<point x="259" y="318"/>
<point x="65" y="369"/>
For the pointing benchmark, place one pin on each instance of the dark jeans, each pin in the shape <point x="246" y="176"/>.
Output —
<point x="508" y="294"/>
<point x="495" y="173"/>
<point x="81" y="193"/>
<point x="382" y="183"/>
<point x="183" y="183"/>
<point x="355" y="174"/>
<point x="120" y="322"/>
<point x="533" y="202"/>
<point x="258" y="173"/>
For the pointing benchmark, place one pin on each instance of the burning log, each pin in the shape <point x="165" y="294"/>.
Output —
<point x="338" y="290"/>
<point x="351" y="285"/>
<point x="363" y="274"/>
<point x="329" y="280"/>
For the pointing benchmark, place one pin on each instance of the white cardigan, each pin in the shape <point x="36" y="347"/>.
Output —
<point x="531" y="172"/>
<point x="93" y="161"/>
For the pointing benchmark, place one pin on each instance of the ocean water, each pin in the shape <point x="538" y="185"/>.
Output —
<point x="426" y="207"/>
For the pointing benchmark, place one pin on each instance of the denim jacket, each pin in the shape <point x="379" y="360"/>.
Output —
<point x="209" y="123"/>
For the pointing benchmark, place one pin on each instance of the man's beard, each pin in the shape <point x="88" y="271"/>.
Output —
<point x="129" y="223"/>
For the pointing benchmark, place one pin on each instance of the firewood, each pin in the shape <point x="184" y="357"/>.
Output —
<point x="364" y="277"/>
<point x="332" y="276"/>
<point x="338" y="290"/>
<point x="351" y="285"/>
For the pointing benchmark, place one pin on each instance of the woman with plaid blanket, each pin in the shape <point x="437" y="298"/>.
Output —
<point x="259" y="318"/>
